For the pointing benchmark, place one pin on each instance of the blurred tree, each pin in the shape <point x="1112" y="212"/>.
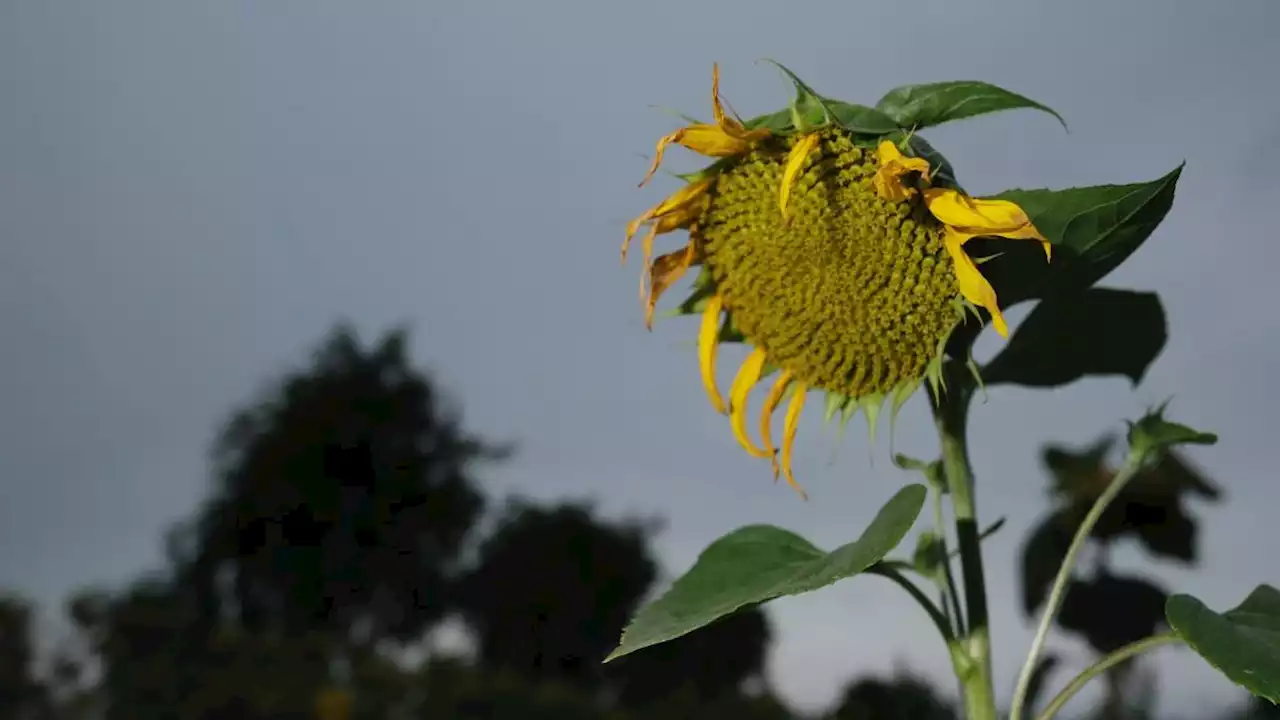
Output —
<point x="157" y="662"/>
<point x="903" y="698"/>
<point x="457" y="691"/>
<point x="709" y="664"/>
<point x="552" y="590"/>
<point x="23" y="695"/>
<point x="1103" y="608"/>
<point x="343" y="500"/>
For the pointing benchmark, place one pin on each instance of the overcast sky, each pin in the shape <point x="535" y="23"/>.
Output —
<point x="191" y="193"/>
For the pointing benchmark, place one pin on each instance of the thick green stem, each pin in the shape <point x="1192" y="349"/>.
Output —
<point x="1102" y="666"/>
<point x="951" y="411"/>
<point x="1132" y="464"/>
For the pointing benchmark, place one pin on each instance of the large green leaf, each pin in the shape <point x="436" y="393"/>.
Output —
<point x="1242" y="643"/>
<point x="920" y="106"/>
<point x="1092" y="230"/>
<point x="1097" y="331"/>
<point x="760" y="562"/>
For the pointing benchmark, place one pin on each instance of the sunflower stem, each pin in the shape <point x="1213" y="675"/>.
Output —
<point x="950" y="411"/>
<point x="1132" y="465"/>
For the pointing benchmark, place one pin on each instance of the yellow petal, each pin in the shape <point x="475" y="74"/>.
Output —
<point x="716" y="107"/>
<point x="725" y="137"/>
<point x="973" y="286"/>
<point x="887" y="152"/>
<point x="681" y="218"/>
<point x="978" y="217"/>
<point x="748" y="375"/>
<point x="795" y="163"/>
<point x="955" y="208"/>
<point x="771" y="403"/>
<point x="663" y="142"/>
<point x="663" y="273"/>
<point x="1026" y="232"/>
<point x="709" y="140"/>
<point x="682" y="204"/>
<point x="708" y="342"/>
<point x="789" y="435"/>
<point x="893" y="165"/>
<point x="729" y="125"/>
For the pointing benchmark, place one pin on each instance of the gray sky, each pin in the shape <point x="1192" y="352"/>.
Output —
<point x="191" y="193"/>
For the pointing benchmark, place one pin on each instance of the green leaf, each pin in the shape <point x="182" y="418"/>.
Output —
<point x="860" y="118"/>
<point x="1092" y="230"/>
<point x="943" y="174"/>
<point x="758" y="563"/>
<point x="778" y="122"/>
<point x="1154" y="433"/>
<point x="1097" y="331"/>
<point x="920" y="106"/>
<point x="809" y="110"/>
<point x="1242" y="643"/>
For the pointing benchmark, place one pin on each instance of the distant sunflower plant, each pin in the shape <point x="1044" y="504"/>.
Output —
<point x="836" y="243"/>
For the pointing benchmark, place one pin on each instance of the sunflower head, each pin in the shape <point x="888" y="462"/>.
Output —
<point x="834" y="251"/>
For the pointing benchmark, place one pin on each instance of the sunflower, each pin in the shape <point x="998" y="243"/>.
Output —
<point x="837" y="256"/>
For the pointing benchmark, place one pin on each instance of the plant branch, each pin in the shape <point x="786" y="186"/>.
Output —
<point x="1132" y="464"/>
<point x="1103" y="665"/>
<point x="929" y="606"/>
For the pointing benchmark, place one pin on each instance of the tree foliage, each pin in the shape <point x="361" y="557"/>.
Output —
<point x="343" y="497"/>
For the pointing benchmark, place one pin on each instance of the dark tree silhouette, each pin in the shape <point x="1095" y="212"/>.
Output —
<point x="343" y="499"/>
<point x="23" y="695"/>
<point x="158" y="662"/>
<point x="552" y="590"/>
<point x="711" y="663"/>
<point x="903" y="698"/>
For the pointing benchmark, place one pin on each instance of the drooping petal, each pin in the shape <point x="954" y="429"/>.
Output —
<point x="795" y="163"/>
<point x="709" y="140"/>
<point x="790" y="425"/>
<point x="893" y="166"/>
<point x="771" y="403"/>
<point x="663" y="273"/>
<point x="716" y="106"/>
<point x="708" y="343"/>
<point x="973" y="286"/>
<point x="724" y="138"/>
<point x="981" y="217"/>
<point x="1026" y="232"/>
<point x="681" y="218"/>
<point x="681" y="206"/>
<point x="731" y="126"/>
<point x="748" y="375"/>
